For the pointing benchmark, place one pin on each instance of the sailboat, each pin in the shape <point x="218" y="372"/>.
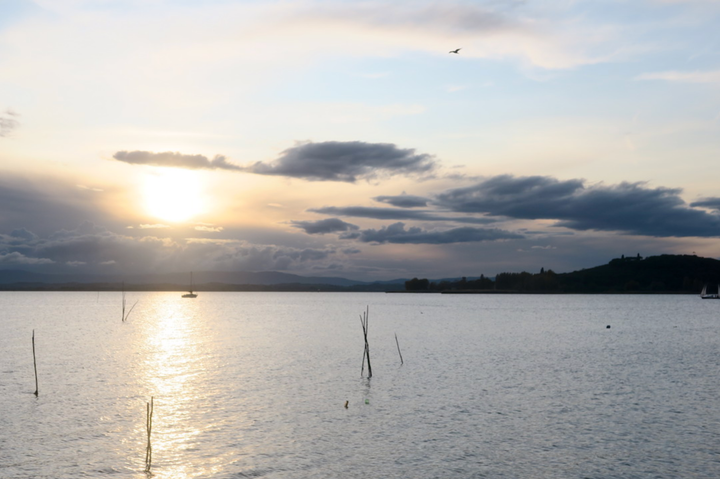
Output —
<point x="190" y="293"/>
<point x="705" y="295"/>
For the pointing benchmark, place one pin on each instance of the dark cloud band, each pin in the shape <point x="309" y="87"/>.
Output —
<point x="403" y="201"/>
<point x="711" y="203"/>
<point x="329" y="225"/>
<point x="396" y="233"/>
<point x="345" y="161"/>
<point x="396" y="214"/>
<point x="630" y="208"/>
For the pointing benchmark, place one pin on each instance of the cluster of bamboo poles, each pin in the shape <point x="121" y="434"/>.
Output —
<point x="366" y="353"/>
<point x="125" y="316"/>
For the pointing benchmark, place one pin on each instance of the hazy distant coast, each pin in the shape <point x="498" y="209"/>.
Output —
<point x="664" y="274"/>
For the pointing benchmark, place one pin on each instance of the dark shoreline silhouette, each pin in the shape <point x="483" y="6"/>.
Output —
<point x="663" y="274"/>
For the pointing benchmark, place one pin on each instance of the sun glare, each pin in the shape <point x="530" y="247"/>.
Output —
<point x="173" y="195"/>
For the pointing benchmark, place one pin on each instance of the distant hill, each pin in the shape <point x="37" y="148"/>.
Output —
<point x="633" y="274"/>
<point x="664" y="273"/>
<point x="18" y="278"/>
<point x="203" y="280"/>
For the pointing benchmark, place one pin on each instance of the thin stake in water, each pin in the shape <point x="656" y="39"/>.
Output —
<point x="35" y="364"/>
<point x="398" y="346"/>
<point x="148" y="425"/>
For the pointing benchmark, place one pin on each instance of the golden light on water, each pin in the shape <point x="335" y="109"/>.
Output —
<point x="173" y="195"/>
<point x="176" y="372"/>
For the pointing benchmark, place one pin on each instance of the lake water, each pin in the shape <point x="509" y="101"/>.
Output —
<point x="253" y="385"/>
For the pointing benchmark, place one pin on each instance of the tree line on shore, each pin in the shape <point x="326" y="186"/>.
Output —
<point x="632" y="274"/>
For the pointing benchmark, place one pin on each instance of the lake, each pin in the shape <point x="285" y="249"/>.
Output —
<point x="253" y="385"/>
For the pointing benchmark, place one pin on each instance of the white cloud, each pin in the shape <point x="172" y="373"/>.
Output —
<point x="151" y="226"/>
<point x="89" y="188"/>
<point x="686" y="77"/>
<point x="211" y="229"/>
<point x="8" y="122"/>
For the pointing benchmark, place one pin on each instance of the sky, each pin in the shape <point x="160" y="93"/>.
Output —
<point x="342" y="138"/>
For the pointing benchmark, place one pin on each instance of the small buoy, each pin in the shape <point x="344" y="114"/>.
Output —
<point x="346" y="404"/>
<point x="367" y="401"/>
<point x="607" y="327"/>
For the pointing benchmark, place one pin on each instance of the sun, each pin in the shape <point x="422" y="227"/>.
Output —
<point x="173" y="195"/>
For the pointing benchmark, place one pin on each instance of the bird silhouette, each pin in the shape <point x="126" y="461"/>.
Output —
<point x="457" y="50"/>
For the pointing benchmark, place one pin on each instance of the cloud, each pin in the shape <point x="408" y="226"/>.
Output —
<point x="243" y="256"/>
<point x="8" y="122"/>
<point x="16" y="258"/>
<point x="151" y="227"/>
<point x="403" y="201"/>
<point x="329" y="225"/>
<point x="209" y="229"/>
<point x="685" y="77"/>
<point x="93" y="248"/>
<point x="396" y="233"/>
<point x="455" y="88"/>
<point x="546" y="38"/>
<point x="325" y="161"/>
<point x="23" y="235"/>
<point x="699" y="2"/>
<point x="175" y="160"/>
<point x="396" y="214"/>
<point x="627" y="207"/>
<point x="711" y="203"/>
<point x="90" y="188"/>
<point x="345" y="161"/>
<point x="46" y="204"/>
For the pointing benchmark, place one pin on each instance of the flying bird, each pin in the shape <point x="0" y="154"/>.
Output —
<point x="457" y="50"/>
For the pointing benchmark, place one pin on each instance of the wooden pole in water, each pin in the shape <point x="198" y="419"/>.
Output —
<point x="35" y="364"/>
<point x="148" y="425"/>
<point x="123" y="302"/>
<point x="364" y="322"/>
<point x="125" y="316"/>
<point x="362" y="370"/>
<point x="398" y="346"/>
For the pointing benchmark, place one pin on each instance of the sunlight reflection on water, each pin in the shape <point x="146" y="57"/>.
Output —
<point x="180" y="373"/>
